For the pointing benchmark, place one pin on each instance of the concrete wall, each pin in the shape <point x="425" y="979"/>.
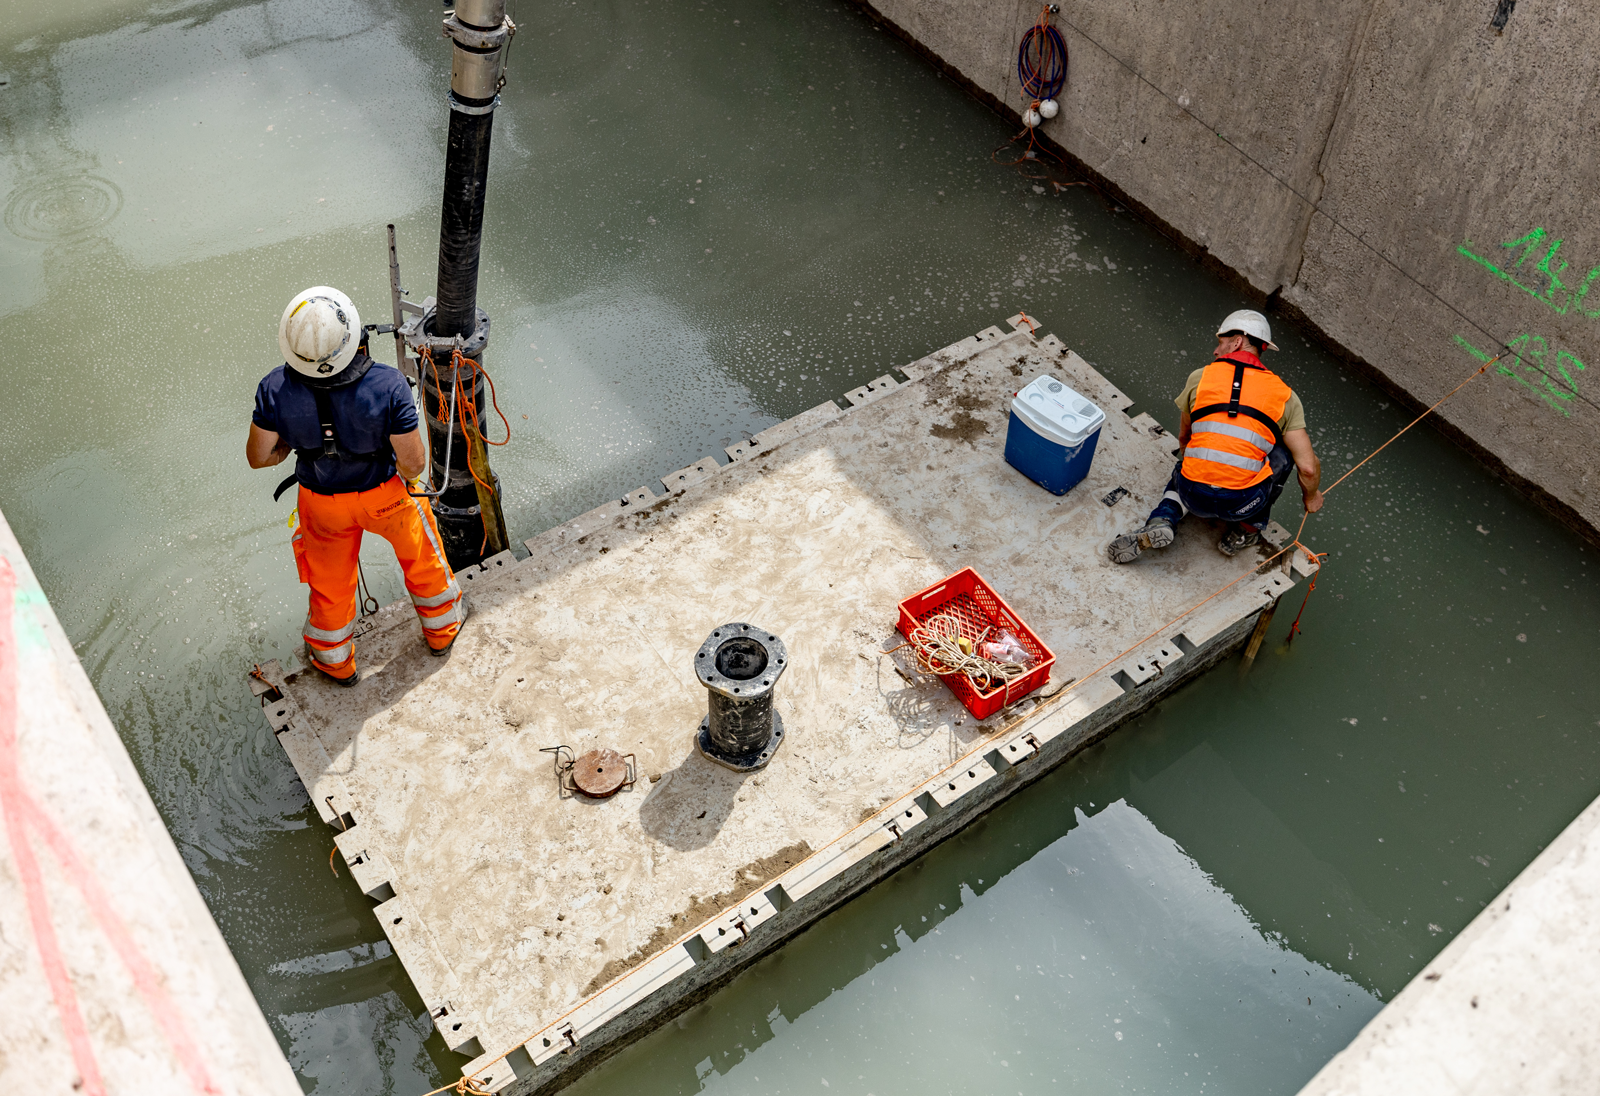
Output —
<point x="1363" y="163"/>
<point x="113" y="977"/>
<point x="1508" y="1006"/>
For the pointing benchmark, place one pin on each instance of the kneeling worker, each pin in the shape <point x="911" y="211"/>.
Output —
<point x="1242" y="430"/>
<point x="352" y="425"/>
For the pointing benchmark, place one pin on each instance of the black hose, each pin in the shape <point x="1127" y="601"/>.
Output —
<point x="466" y="178"/>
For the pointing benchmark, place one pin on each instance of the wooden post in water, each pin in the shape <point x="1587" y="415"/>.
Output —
<point x="1263" y="622"/>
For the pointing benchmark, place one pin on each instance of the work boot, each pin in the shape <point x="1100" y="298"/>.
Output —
<point x="466" y="611"/>
<point x="347" y="682"/>
<point x="1236" y="540"/>
<point x="1157" y="533"/>
<point x="311" y="660"/>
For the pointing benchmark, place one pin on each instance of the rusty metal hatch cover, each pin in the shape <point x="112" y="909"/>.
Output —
<point x="599" y="774"/>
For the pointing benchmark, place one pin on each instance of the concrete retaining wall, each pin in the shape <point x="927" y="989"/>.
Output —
<point x="113" y="976"/>
<point x="1406" y="176"/>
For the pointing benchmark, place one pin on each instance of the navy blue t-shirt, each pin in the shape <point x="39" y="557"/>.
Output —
<point x="364" y="415"/>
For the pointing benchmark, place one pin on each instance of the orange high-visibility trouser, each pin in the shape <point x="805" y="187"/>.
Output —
<point x="327" y="547"/>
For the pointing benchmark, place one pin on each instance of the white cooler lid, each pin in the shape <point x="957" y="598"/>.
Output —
<point x="1056" y="412"/>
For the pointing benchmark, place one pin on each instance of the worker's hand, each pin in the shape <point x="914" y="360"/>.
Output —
<point x="1313" y="502"/>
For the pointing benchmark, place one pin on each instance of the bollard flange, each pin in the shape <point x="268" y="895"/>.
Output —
<point x="740" y="664"/>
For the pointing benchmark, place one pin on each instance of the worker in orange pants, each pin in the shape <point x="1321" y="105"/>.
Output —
<point x="327" y="545"/>
<point x="352" y="426"/>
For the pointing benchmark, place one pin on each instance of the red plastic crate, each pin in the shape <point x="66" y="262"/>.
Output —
<point x="972" y="600"/>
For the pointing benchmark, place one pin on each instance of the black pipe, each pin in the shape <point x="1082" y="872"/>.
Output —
<point x="466" y="179"/>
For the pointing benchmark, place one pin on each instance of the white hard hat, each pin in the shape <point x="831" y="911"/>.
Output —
<point x="1250" y="322"/>
<point x="320" y="332"/>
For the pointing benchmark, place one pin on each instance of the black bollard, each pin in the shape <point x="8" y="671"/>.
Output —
<point x="740" y="664"/>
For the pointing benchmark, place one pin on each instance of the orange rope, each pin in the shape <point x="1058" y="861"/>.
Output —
<point x="1294" y="629"/>
<point x="467" y="1086"/>
<point x="1416" y="420"/>
<point x="466" y="408"/>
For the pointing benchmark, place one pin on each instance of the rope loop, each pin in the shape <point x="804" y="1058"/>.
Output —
<point x="937" y="646"/>
<point x="466" y="1086"/>
<point x="466" y="407"/>
<point x="1042" y="60"/>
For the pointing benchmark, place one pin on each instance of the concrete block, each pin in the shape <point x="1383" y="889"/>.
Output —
<point x="740" y="450"/>
<point x="161" y="1003"/>
<point x="1150" y="662"/>
<point x="429" y="971"/>
<point x="959" y="781"/>
<point x="954" y="354"/>
<point x="491" y="568"/>
<point x="280" y="712"/>
<point x="368" y="866"/>
<point x="315" y="767"/>
<point x="568" y="532"/>
<point x="500" y="1073"/>
<point x="1143" y="421"/>
<point x="822" y="867"/>
<point x="903" y="817"/>
<point x="733" y="927"/>
<point x="625" y="993"/>
<point x="694" y="473"/>
<point x="1023" y="747"/>
<point x="1076" y="706"/>
<point x="871" y="390"/>
<point x="559" y="1038"/>
<point x="797" y="427"/>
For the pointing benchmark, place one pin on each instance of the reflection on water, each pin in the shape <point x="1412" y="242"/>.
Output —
<point x="704" y="218"/>
<point x="1106" y="960"/>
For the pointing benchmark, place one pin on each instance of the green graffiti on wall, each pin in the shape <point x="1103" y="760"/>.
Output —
<point x="1530" y="263"/>
<point x="1549" y="376"/>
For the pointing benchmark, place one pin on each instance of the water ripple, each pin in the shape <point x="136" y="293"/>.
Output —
<point x="61" y="207"/>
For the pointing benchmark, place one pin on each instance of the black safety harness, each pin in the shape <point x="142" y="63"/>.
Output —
<point x="330" y="447"/>
<point x="1233" y="407"/>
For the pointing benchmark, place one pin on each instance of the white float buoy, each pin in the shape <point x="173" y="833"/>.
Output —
<point x="1030" y="118"/>
<point x="1048" y="108"/>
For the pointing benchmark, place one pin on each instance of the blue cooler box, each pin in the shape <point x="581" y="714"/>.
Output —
<point x="1052" y="434"/>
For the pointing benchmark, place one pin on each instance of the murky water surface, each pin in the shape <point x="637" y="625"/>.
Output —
<point x="705" y="218"/>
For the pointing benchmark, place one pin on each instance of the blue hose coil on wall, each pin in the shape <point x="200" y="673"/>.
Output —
<point x="1042" y="62"/>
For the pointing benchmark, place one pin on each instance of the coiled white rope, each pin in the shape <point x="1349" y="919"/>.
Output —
<point x="937" y="645"/>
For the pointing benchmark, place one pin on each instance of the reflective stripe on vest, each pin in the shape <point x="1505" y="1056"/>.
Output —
<point x="1244" y="433"/>
<point x="1216" y="456"/>
<point x="1230" y="450"/>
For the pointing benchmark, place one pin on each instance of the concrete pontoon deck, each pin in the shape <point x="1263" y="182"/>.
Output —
<point x="543" y="929"/>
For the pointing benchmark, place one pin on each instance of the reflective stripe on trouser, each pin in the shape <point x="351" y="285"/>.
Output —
<point x="331" y="528"/>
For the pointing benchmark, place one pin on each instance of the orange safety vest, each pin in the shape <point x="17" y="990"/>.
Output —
<point x="1234" y="424"/>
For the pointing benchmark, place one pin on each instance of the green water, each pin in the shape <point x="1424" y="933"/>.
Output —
<point x="705" y="218"/>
